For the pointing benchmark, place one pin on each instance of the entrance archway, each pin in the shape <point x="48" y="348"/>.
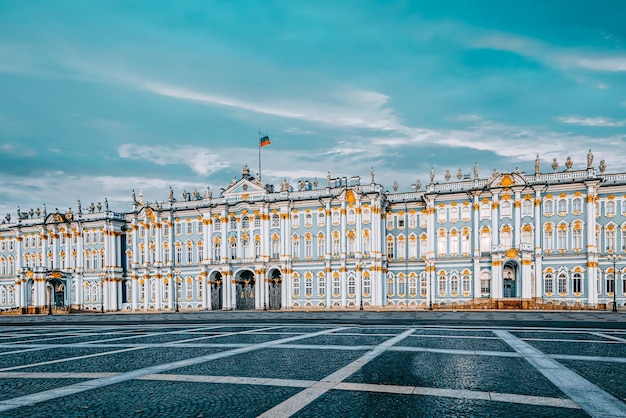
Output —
<point x="509" y="280"/>
<point x="275" y="289"/>
<point x="56" y="295"/>
<point x="244" y="286"/>
<point x="215" y="282"/>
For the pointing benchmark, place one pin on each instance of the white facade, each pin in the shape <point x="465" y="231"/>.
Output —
<point x="514" y="240"/>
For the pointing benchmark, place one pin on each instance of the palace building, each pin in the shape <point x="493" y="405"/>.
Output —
<point x="514" y="240"/>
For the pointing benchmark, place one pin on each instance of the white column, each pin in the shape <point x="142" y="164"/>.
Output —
<point x="517" y="217"/>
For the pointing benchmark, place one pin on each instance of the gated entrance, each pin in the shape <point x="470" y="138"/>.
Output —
<point x="275" y="286"/>
<point x="245" y="290"/>
<point x="216" y="290"/>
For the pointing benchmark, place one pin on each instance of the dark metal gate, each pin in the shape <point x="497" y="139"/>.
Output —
<point x="275" y="290"/>
<point x="245" y="293"/>
<point x="216" y="295"/>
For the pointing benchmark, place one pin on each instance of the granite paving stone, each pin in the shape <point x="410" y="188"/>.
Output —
<point x="471" y="344"/>
<point x="159" y="398"/>
<point x="125" y="361"/>
<point x="276" y="363"/>
<point x="37" y="356"/>
<point x="336" y="403"/>
<point x="455" y="371"/>
<point x="597" y="349"/>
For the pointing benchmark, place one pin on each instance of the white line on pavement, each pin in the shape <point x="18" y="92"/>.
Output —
<point x="47" y="395"/>
<point x="595" y="401"/>
<point x="301" y="399"/>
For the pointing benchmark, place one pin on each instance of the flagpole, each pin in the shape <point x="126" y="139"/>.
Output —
<point x="259" y="143"/>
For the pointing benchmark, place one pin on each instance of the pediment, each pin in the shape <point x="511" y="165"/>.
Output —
<point x="507" y="180"/>
<point x="243" y="187"/>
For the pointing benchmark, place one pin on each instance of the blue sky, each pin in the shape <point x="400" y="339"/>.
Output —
<point x="98" y="98"/>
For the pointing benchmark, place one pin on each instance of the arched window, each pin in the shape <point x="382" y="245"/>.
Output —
<point x="562" y="206"/>
<point x="257" y="221"/>
<point x="367" y="243"/>
<point x="257" y="247"/>
<point x="321" y="284"/>
<point x="505" y="239"/>
<point x="454" y="242"/>
<point x="390" y="247"/>
<point x="295" y="246"/>
<point x="423" y="284"/>
<point x="548" y="238"/>
<point x="562" y="283"/>
<point x="217" y="250"/>
<point x="295" y="220"/>
<point x="441" y="215"/>
<point x="454" y="284"/>
<point x="367" y="284"/>
<point x="233" y="249"/>
<point x="610" y="283"/>
<point x="308" y="286"/>
<point x="275" y="246"/>
<point x="485" y="240"/>
<point x="245" y="222"/>
<point x="454" y="214"/>
<point x="412" y="285"/>
<point x="577" y="283"/>
<point x="527" y="208"/>
<point x="335" y="217"/>
<point x="188" y="226"/>
<point x="351" y="216"/>
<point x="548" y="283"/>
<point x="366" y="215"/>
<point x="245" y="245"/>
<point x="296" y="286"/>
<point x="610" y="208"/>
<point x="610" y="238"/>
<point x="336" y="285"/>
<point x="336" y="244"/>
<point x="350" y="243"/>
<point x="505" y="209"/>
<point x="442" y="242"/>
<point x="577" y="238"/>
<point x="321" y="218"/>
<point x="577" y="205"/>
<point x="401" y="285"/>
<point x="351" y="285"/>
<point x="233" y="223"/>
<point x="321" y="245"/>
<point x="527" y="235"/>
<point x="442" y="283"/>
<point x="465" y="213"/>
<point x="217" y="225"/>
<point x="308" y="219"/>
<point x="275" y="221"/>
<point x="548" y="207"/>
<point x="188" y="288"/>
<point x="485" y="211"/>
<point x="466" y="283"/>
<point x="485" y="283"/>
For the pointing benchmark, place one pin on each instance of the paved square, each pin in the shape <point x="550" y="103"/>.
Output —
<point x="125" y="367"/>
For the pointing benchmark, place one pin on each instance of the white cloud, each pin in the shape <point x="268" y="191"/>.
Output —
<point x="606" y="122"/>
<point x="351" y="107"/>
<point x="563" y="57"/>
<point x="201" y="160"/>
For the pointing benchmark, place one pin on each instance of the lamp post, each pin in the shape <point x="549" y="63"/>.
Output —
<point x="49" y="299"/>
<point x="175" y="289"/>
<point x="102" y="295"/>
<point x="614" y="259"/>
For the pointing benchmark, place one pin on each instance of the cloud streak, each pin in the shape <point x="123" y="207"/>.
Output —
<point x="201" y="160"/>
<point x="604" y="122"/>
